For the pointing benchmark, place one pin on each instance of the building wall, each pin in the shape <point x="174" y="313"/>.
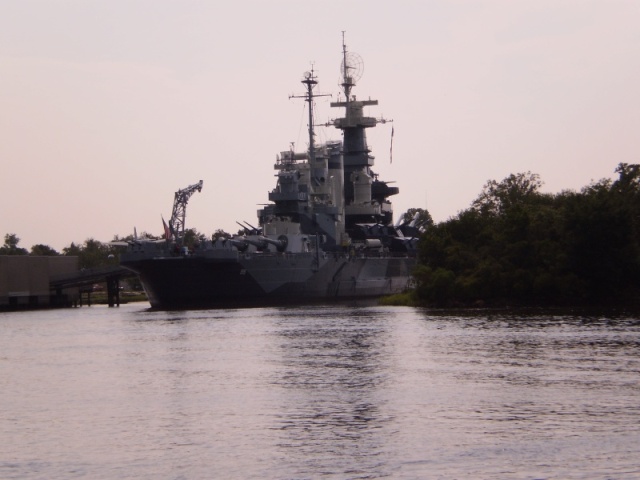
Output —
<point x="24" y="279"/>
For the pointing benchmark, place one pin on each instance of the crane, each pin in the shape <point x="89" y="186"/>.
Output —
<point x="180" y="200"/>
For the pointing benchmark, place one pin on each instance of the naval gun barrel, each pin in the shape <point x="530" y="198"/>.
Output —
<point x="280" y="244"/>
<point x="241" y="245"/>
<point x="248" y="228"/>
<point x="261" y="243"/>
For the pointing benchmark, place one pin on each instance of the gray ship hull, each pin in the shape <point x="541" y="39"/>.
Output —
<point x="259" y="279"/>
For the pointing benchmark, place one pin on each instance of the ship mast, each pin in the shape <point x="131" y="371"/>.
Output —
<point x="364" y="196"/>
<point x="347" y="79"/>
<point x="309" y="81"/>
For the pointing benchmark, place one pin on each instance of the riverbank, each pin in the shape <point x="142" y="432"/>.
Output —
<point x="100" y="298"/>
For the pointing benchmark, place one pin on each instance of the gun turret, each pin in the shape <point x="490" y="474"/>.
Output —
<point x="249" y="229"/>
<point x="260" y="242"/>
<point x="241" y="245"/>
<point x="280" y="244"/>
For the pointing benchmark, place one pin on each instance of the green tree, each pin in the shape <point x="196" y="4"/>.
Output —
<point x="43" y="250"/>
<point x="517" y="245"/>
<point x="219" y="233"/>
<point x="92" y="253"/>
<point x="497" y="197"/>
<point x="601" y="235"/>
<point x="192" y="238"/>
<point x="72" y="250"/>
<point x="10" y="247"/>
<point x="419" y="217"/>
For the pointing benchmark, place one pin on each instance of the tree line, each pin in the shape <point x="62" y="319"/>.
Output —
<point x="513" y="246"/>
<point x="517" y="246"/>
<point x="93" y="253"/>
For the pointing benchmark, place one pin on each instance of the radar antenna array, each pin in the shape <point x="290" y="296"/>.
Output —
<point x="351" y="68"/>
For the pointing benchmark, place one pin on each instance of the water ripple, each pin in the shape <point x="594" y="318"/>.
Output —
<point x="331" y="392"/>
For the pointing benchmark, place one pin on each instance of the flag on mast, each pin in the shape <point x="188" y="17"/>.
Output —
<point x="391" y="147"/>
<point x="167" y="231"/>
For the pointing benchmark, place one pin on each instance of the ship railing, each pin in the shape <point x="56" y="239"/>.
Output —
<point x="335" y="255"/>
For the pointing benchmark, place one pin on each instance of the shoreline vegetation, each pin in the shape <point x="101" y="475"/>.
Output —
<point x="513" y="247"/>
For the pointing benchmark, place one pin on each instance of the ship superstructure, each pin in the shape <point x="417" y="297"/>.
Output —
<point x="327" y="232"/>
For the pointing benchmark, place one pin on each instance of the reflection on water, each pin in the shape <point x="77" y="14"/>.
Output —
<point x="330" y="371"/>
<point x="332" y="392"/>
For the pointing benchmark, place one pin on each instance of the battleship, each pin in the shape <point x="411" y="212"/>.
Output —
<point x="326" y="235"/>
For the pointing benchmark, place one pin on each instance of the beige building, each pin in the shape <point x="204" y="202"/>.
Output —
<point x="24" y="281"/>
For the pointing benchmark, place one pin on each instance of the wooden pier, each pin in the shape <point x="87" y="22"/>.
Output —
<point x="85" y="279"/>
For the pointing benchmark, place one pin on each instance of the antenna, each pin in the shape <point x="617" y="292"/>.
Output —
<point x="352" y="68"/>
<point x="309" y="80"/>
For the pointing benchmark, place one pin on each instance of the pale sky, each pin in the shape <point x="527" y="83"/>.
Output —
<point x="108" y="107"/>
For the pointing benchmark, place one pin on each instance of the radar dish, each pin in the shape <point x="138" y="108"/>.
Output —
<point x="354" y="66"/>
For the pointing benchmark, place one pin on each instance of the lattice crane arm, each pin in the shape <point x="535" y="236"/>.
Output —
<point x="180" y="200"/>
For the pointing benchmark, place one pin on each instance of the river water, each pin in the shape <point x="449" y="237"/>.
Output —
<point x="333" y="392"/>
